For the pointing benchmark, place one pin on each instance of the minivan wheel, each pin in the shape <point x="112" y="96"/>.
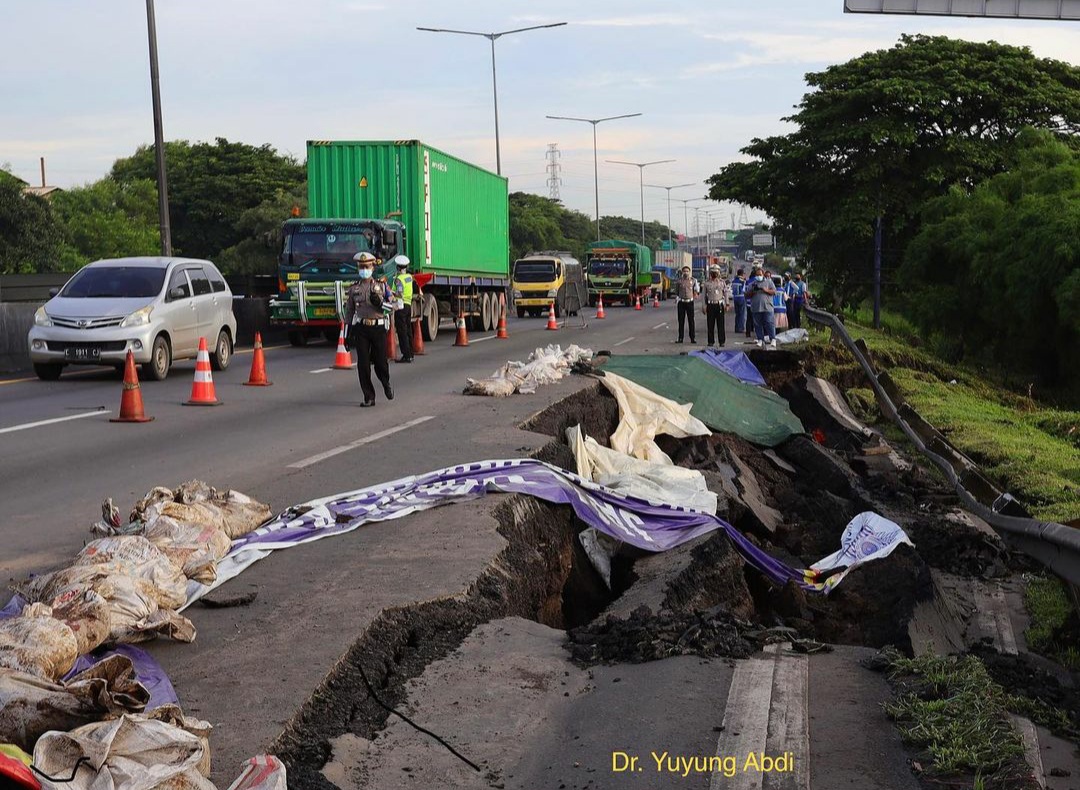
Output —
<point x="48" y="371"/>
<point x="160" y="360"/>
<point x="222" y="352"/>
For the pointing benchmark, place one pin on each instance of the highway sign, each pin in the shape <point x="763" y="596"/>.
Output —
<point x="763" y="240"/>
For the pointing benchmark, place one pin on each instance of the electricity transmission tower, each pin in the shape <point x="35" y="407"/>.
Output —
<point x="553" y="168"/>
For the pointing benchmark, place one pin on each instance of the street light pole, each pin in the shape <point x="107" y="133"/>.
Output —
<point x="596" y="166"/>
<point x="641" y="184"/>
<point x="676" y="186"/>
<point x="492" y="37"/>
<point x="686" y="222"/>
<point x="159" y="135"/>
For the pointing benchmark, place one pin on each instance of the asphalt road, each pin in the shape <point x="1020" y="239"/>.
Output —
<point x="251" y="668"/>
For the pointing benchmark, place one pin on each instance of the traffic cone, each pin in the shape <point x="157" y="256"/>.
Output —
<point x="501" y="333"/>
<point x="552" y="323"/>
<point x="462" y="335"/>
<point x="417" y="338"/>
<point x="202" y="388"/>
<point x="391" y="341"/>
<point x="131" y="408"/>
<point x="600" y="307"/>
<point x="343" y="358"/>
<point x="258" y="366"/>
<point x="656" y="300"/>
<point x="637" y="302"/>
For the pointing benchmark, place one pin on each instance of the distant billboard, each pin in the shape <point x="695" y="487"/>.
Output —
<point x="994" y="9"/>
<point x="763" y="240"/>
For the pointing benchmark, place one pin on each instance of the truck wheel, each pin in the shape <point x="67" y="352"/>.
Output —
<point x="330" y="335"/>
<point x="521" y="312"/>
<point x="429" y="321"/>
<point x="48" y="371"/>
<point x="558" y="309"/>
<point x="298" y="337"/>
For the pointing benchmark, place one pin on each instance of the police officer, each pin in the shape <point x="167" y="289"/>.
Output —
<point x="368" y="324"/>
<point x="738" y="298"/>
<point x="715" y="292"/>
<point x="685" y="289"/>
<point x="402" y="288"/>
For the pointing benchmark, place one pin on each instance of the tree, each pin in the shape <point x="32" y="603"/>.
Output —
<point x="884" y="133"/>
<point x="257" y="252"/>
<point x="997" y="271"/>
<point x="31" y="240"/>
<point x="107" y="219"/>
<point x="211" y="185"/>
<point x="629" y="229"/>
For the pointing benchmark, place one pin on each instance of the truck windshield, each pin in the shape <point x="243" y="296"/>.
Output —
<point x="321" y="242"/>
<point x="115" y="282"/>
<point x="608" y="268"/>
<point x="534" y="271"/>
<point x="656" y="278"/>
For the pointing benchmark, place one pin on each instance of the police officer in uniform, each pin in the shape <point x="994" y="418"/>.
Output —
<point x="738" y="298"/>
<point x="715" y="292"/>
<point x="367" y="328"/>
<point x="685" y="289"/>
<point x="402" y="288"/>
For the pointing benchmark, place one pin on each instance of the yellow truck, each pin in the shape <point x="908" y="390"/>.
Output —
<point x="542" y="278"/>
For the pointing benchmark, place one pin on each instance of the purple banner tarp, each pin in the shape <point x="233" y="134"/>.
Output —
<point x="147" y="671"/>
<point x="734" y="362"/>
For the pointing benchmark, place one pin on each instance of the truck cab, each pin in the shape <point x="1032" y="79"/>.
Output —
<point x="661" y="284"/>
<point x="542" y="278"/>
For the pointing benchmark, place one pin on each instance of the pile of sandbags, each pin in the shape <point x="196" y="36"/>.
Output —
<point x="544" y="366"/>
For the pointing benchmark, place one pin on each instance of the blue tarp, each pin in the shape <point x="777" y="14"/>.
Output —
<point x="734" y="362"/>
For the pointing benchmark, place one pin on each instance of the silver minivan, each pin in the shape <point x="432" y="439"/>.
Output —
<point x="157" y="308"/>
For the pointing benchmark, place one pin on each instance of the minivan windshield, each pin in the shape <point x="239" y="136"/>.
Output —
<point x="115" y="282"/>
<point x="534" y="271"/>
<point x="608" y="268"/>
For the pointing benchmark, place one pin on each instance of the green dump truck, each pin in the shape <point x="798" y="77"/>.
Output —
<point x="619" y="270"/>
<point x="393" y="198"/>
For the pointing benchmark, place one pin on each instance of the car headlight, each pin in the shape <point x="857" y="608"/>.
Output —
<point x="139" y="317"/>
<point x="41" y="318"/>
<point x="517" y="294"/>
<point x="552" y="294"/>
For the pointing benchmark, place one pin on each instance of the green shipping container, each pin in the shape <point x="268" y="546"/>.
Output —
<point x="456" y="215"/>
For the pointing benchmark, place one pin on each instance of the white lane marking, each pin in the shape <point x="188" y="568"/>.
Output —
<point x="661" y="326"/>
<point x="358" y="443"/>
<point x="481" y="339"/>
<point x="621" y="342"/>
<point x="26" y="425"/>
<point x="320" y="370"/>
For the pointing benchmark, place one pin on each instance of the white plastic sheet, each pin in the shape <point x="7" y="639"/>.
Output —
<point x="544" y="366"/>
<point x="644" y="415"/>
<point x="792" y="336"/>
<point x="867" y="537"/>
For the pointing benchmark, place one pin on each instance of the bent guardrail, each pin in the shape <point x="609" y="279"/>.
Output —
<point x="1055" y="545"/>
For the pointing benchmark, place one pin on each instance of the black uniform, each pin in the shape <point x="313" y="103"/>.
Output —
<point x="367" y="334"/>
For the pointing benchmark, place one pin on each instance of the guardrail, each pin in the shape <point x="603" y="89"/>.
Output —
<point x="1054" y="545"/>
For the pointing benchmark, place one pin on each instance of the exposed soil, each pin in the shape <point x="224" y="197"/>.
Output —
<point x="1024" y="675"/>
<point x="593" y="408"/>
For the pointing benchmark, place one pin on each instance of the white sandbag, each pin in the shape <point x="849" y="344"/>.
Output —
<point x="194" y="548"/>
<point x="263" y="772"/>
<point x="867" y="537"/>
<point x="792" y="336"/>
<point x="135" y="556"/>
<point x="242" y="513"/>
<point x="36" y="643"/>
<point x="172" y="714"/>
<point x="544" y="366"/>
<point x="86" y="613"/>
<point x="128" y="753"/>
<point x="30" y="706"/>
<point x="154" y="496"/>
<point x="644" y="415"/>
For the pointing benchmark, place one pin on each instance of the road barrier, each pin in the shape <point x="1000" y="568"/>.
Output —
<point x="1054" y="545"/>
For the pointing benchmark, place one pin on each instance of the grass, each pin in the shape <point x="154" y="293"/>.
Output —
<point x="1028" y="449"/>
<point x="1049" y="607"/>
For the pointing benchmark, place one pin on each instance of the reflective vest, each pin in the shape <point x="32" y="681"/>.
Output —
<point x="738" y="288"/>
<point x="403" y="287"/>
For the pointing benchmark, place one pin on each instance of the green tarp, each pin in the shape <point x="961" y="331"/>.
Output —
<point x="720" y="400"/>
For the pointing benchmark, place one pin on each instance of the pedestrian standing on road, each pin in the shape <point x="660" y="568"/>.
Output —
<point x="402" y="288"/>
<point x="715" y="305"/>
<point x="738" y="298"/>
<point x="798" y="301"/>
<point x="686" y="287"/>
<point x="760" y="292"/>
<point x="368" y="325"/>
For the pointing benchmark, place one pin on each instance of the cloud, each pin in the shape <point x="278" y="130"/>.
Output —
<point x="640" y="20"/>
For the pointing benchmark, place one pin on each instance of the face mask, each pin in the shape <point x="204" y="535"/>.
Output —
<point x="366" y="273"/>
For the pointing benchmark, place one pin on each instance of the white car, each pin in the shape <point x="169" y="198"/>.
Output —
<point x="157" y="308"/>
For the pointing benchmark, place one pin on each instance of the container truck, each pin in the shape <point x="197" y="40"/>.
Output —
<point x="674" y="259"/>
<point x="620" y="270"/>
<point x="393" y="198"/>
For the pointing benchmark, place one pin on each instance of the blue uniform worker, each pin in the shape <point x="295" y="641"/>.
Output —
<point x="738" y="298"/>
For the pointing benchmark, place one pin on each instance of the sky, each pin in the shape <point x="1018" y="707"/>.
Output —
<point x="706" y="76"/>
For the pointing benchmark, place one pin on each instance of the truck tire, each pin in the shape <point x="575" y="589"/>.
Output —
<point x="486" y="322"/>
<point x="521" y="312"/>
<point x="429" y="320"/>
<point x="298" y="337"/>
<point x="330" y="335"/>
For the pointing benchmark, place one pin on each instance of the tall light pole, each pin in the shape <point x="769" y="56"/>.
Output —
<point x="159" y="135"/>
<point x="595" y="165"/>
<point x="676" y="186"/>
<point x="686" y="222"/>
<point x="641" y="184"/>
<point x="492" y="37"/>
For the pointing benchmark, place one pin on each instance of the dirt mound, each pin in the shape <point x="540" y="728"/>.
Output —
<point x="1022" y="675"/>
<point x="593" y="408"/>
<point x="645" y="636"/>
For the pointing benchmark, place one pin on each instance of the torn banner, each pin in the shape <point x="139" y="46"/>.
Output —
<point x="867" y="537"/>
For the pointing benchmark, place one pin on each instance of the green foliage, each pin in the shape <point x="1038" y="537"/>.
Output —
<point x="887" y="131"/>
<point x="1049" y="607"/>
<point x="630" y="230"/>
<point x="260" y="226"/>
<point x="211" y="185"/>
<point x="997" y="269"/>
<point x="107" y="219"/>
<point x="31" y="239"/>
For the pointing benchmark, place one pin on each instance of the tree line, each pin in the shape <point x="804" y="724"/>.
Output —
<point x="967" y="155"/>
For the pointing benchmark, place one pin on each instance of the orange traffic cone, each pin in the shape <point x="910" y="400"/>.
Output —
<point x="391" y="341"/>
<point x="202" y="388"/>
<point x="131" y="408"/>
<point x="600" y="307"/>
<point x="656" y="299"/>
<point x="343" y="358"/>
<point x="500" y="330"/>
<point x="417" y="338"/>
<point x="637" y="302"/>
<point x="258" y="366"/>
<point x="462" y="335"/>
<point x="552" y="323"/>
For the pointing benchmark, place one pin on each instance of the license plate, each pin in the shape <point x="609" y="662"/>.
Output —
<point x="320" y="312"/>
<point x="83" y="352"/>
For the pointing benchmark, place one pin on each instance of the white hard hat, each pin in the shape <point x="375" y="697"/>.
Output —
<point x="401" y="261"/>
<point x="364" y="257"/>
